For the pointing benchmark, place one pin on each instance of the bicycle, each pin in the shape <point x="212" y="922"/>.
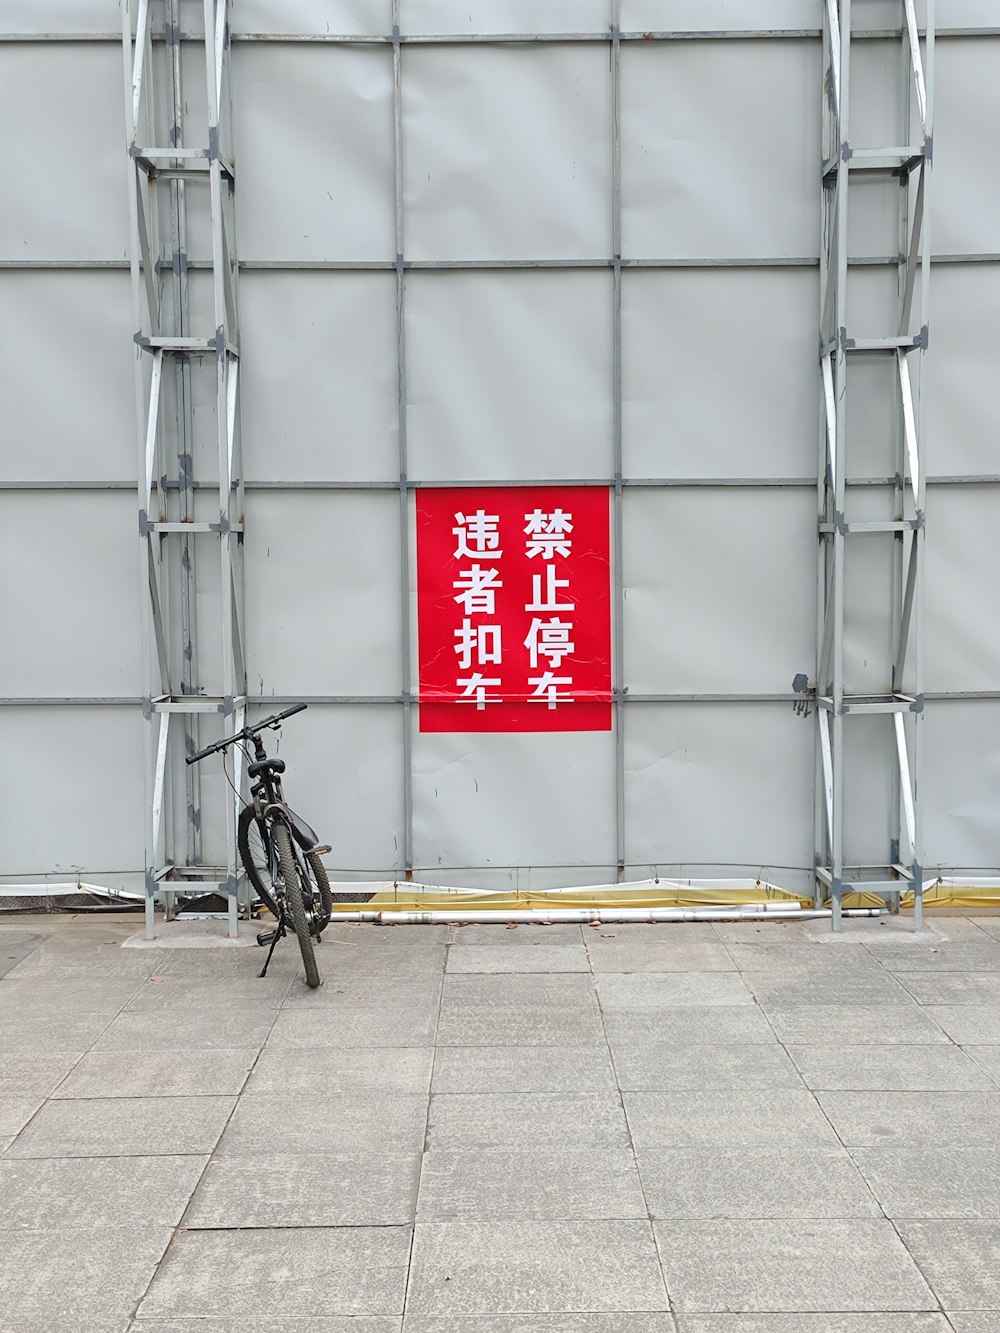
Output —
<point x="279" y="851"/>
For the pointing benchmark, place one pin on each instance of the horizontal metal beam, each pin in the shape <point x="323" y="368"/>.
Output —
<point x="650" y="483"/>
<point x="487" y="265"/>
<point x="509" y="39"/>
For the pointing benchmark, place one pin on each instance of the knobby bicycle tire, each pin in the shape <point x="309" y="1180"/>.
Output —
<point x="294" y="897"/>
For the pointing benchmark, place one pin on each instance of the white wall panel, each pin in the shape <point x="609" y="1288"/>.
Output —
<point x="532" y="799"/>
<point x="966" y="146"/>
<point x="507" y="152"/>
<point x="323" y="601"/>
<point x="718" y="372"/>
<point x="961" y="394"/>
<point x="504" y="16"/>
<point x="963" y="589"/>
<point x="720" y="146"/>
<point x="352" y="17"/>
<point x="509" y="375"/>
<point x="55" y="760"/>
<point x="718" y="788"/>
<point x="315" y="152"/>
<point x="70" y="594"/>
<point x="64" y="155"/>
<point x="961" y="781"/>
<point x="714" y="602"/>
<point x="67" y="403"/>
<point x="321" y="402"/>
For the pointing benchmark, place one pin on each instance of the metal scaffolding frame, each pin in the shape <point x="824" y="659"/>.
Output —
<point x="898" y="706"/>
<point x="172" y="535"/>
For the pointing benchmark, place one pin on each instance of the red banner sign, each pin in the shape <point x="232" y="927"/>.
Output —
<point x="514" y="608"/>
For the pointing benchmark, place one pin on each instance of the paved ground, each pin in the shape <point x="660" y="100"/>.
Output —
<point x="652" y="1129"/>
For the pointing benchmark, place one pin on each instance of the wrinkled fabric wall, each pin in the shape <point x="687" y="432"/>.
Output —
<point x="509" y="375"/>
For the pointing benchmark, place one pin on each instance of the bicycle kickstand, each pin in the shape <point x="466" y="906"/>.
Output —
<point x="276" y="935"/>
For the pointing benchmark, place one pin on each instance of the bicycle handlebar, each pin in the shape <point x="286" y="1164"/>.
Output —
<point x="247" y="733"/>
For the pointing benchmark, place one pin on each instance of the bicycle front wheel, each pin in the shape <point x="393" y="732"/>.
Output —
<point x="296" y="901"/>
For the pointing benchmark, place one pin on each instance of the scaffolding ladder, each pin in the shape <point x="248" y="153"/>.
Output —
<point x="893" y="712"/>
<point x="176" y="349"/>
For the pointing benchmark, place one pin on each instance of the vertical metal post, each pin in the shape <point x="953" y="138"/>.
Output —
<point x="404" y="488"/>
<point x="618" y="598"/>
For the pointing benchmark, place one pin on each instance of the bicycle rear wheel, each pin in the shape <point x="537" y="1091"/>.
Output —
<point x="251" y="839"/>
<point x="321" y="895"/>
<point x="296" y="901"/>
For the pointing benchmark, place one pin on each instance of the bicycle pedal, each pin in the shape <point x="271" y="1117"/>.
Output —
<point x="265" y="937"/>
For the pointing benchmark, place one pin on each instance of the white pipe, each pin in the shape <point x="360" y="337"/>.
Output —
<point x="600" y="915"/>
<point x="62" y="890"/>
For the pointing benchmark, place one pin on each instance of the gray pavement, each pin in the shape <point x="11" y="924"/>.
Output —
<point x="743" y="1128"/>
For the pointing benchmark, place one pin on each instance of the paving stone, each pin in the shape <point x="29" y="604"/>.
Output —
<point x="158" y="1074"/>
<point x="973" y="1323"/>
<point x="779" y="956"/>
<point x="551" y="1120"/>
<point x="765" y="1183"/>
<point x="124" y="1126"/>
<point x="206" y="1030"/>
<point x="345" y="1070"/>
<point x="884" y="1119"/>
<point x="953" y="988"/>
<point x="15" y="1112"/>
<point x="361" y="1026"/>
<point x="24" y="1034"/>
<point x="585" y="1185"/>
<point x="966" y="955"/>
<point x="988" y="1060"/>
<point x="619" y="1321"/>
<point x="623" y="952"/>
<point x="243" y="1324"/>
<point x="764" y="932"/>
<point x="789" y="1266"/>
<point x="310" y="1273"/>
<point x="852" y="1025"/>
<point x="470" y="1268"/>
<point x="777" y="989"/>
<point x="310" y="1122"/>
<point x="967" y="1025"/>
<point x="535" y="1025"/>
<point x="68" y="1280"/>
<point x="814" y="1323"/>
<point x="505" y="991"/>
<point x="549" y="958"/>
<point x="342" y="996"/>
<point x="519" y="1010"/>
<point x="687" y="1025"/>
<point x="173" y="991"/>
<point x="959" y="1260"/>
<point x="673" y="1068"/>
<point x="317" y="1189"/>
<point x="66" y="962"/>
<point x="933" y="1181"/>
<point x="87" y="1192"/>
<point x="887" y="1068"/>
<point x="641" y="991"/>
<point x="523" y="934"/>
<point x="726" y="1119"/>
<point x="67" y="995"/>
<point x="34" y="1073"/>
<point x="4" y="1145"/>
<point x="523" y="1069"/>
<point x="308" y="1324"/>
